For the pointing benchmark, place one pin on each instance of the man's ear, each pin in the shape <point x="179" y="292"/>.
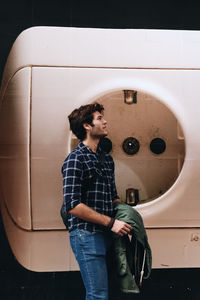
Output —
<point x="86" y="126"/>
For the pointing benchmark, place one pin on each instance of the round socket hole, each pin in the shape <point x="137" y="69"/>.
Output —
<point x="157" y="145"/>
<point x="105" y="144"/>
<point x="131" y="146"/>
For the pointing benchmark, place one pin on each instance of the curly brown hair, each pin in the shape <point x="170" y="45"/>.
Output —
<point x="81" y="115"/>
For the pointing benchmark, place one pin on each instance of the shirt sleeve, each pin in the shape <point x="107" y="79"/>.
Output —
<point x="72" y="174"/>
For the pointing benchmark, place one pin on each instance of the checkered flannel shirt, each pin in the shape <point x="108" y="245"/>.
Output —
<point x="86" y="181"/>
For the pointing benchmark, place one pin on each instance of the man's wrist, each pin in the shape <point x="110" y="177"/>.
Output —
<point x="116" y="200"/>
<point x="111" y="223"/>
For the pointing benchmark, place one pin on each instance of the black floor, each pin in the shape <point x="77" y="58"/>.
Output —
<point x="17" y="283"/>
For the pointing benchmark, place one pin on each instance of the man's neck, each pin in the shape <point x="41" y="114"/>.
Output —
<point x="91" y="143"/>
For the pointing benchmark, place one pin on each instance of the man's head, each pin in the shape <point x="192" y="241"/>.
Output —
<point x="88" y="118"/>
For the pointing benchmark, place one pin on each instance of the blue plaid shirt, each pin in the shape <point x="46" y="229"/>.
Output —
<point x="86" y="181"/>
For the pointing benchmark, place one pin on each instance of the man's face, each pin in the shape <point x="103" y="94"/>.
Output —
<point x="99" y="128"/>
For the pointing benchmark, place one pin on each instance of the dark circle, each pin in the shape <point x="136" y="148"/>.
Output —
<point x="131" y="146"/>
<point x="157" y="146"/>
<point x="105" y="144"/>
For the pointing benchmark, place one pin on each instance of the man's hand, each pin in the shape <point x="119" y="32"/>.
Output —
<point x="88" y="214"/>
<point x="121" y="227"/>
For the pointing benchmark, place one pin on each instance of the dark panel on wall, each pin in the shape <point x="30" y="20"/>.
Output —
<point x="54" y="13"/>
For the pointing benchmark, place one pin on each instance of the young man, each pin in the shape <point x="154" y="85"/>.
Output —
<point x="89" y="191"/>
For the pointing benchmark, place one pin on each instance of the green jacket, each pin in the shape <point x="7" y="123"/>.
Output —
<point x="132" y="258"/>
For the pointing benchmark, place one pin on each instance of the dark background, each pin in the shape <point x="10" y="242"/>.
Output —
<point x="17" y="15"/>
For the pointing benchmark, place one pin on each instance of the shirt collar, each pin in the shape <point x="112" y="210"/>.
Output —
<point x="86" y="149"/>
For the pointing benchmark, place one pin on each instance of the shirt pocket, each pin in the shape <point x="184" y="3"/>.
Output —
<point x="90" y="176"/>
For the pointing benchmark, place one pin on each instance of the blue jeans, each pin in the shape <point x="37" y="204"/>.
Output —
<point x="90" y="252"/>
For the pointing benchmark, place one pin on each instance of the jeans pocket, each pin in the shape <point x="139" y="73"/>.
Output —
<point x="84" y="241"/>
<point x="85" y="233"/>
<point x="81" y="240"/>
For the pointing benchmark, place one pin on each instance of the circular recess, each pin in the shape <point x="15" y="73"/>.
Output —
<point x="150" y="173"/>
<point x="105" y="144"/>
<point x="131" y="146"/>
<point x="157" y="145"/>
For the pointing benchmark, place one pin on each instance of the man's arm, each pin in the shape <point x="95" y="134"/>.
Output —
<point x="72" y="171"/>
<point x="88" y="214"/>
